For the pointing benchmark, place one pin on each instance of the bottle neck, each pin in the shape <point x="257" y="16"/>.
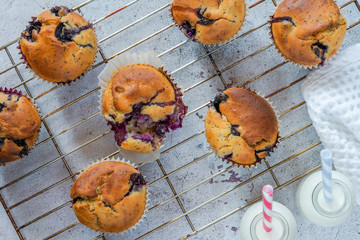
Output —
<point x="338" y="206"/>
<point x="280" y="228"/>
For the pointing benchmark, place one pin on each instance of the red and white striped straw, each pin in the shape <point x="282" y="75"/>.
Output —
<point x="267" y="196"/>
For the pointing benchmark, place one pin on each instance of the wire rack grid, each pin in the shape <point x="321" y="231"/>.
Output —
<point x="193" y="193"/>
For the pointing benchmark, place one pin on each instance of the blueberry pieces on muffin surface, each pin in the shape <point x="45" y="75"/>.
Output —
<point x="59" y="45"/>
<point x="109" y="196"/>
<point x="241" y="127"/>
<point x="209" y="21"/>
<point x="308" y="32"/>
<point x="19" y="125"/>
<point x="142" y="103"/>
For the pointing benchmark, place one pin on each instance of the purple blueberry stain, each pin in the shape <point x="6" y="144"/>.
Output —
<point x="203" y="20"/>
<point x="55" y="10"/>
<point x="120" y="132"/>
<point x="144" y="137"/>
<point x="136" y="182"/>
<point x="234" y="229"/>
<point x="320" y="51"/>
<point x="220" y="98"/>
<point x="67" y="35"/>
<point x="234" y="130"/>
<point x="2" y="141"/>
<point x="35" y="25"/>
<point x="21" y="143"/>
<point x="190" y="30"/>
<point x="202" y="74"/>
<point x="282" y="19"/>
<point x="76" y="199"/>
<point x="233" y="177"/>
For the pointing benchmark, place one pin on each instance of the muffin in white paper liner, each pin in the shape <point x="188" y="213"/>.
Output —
<point x="63" y="36"/>
<point x="187" y="32"/>
<point x="324" y="45"/>
<point x="147" y="132"/>
<point x="228" y="137"/>
<point x="19" y="142"/>
<point x="131" y="228"/>
<point x="333" y="102"/>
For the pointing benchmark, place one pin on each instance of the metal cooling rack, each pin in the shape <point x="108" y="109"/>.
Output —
<point x="202" y="196"/>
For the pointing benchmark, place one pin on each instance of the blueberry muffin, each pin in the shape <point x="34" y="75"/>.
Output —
<point x="19" y="125"/>
<point x="59" y="45"/>
<point x="308" y="32"/>
<point x="209" y="21"/>
<point x="109" y="197"/>
<point x="241" y="127"/>
<point x="142" y="103"/>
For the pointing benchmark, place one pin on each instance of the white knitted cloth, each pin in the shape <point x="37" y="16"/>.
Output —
<point x="332" y="94"/>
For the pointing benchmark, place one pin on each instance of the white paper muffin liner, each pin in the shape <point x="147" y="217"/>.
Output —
<point x="218" y="43"/>
<point x="147" y="194"/>
<point x="34" y="75"/>
<point x="38" y="132"/>
<point x="123" y="60"/>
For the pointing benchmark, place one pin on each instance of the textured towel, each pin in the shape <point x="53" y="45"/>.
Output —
<point x="332" y="94"/>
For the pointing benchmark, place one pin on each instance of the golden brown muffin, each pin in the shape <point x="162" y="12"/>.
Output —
<point x="209" y="21"/>
<point x="19" y="125"/>
<point x="142" y="104"/>
<point x="59" y="45"/>
<point x="109" y="197"/>
<point x="241" y="127"/>
<point x="308" y="32"/>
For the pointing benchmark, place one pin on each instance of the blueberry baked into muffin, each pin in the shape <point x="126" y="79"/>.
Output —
<point x="142" y="103"/>
<point x="308" y="32"/>
<point x="19" y="125"/>
<point x="241" y="127"/>
<point x="109" y="197"/>
<point x="209" y="21"/>
<point x="59" y="45"/>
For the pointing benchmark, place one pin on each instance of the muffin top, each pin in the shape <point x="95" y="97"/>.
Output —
<point x="308" y="32"/>
<point x="19" y="125"/>
<point x="142" y="103"/>
<point x="59" y="45"/>
<point x="139" y="86"/>
<point x="109" y="197"/>
<point x="209" y="21"/>
<point x="241" y="126"/>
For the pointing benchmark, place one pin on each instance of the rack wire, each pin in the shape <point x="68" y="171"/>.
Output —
<point x="167" y="176"/>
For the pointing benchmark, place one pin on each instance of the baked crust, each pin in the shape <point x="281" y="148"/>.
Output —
<point x="109" y="197"/>
<point x="308" y="32"/>
<point x="19" y="126"/>
<point x="137" y="145"/>
<point x="241" y="126"/>
<point x="209" y="21"/>
<point x="134" y="84"/>
<point x="59" y="46"/>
